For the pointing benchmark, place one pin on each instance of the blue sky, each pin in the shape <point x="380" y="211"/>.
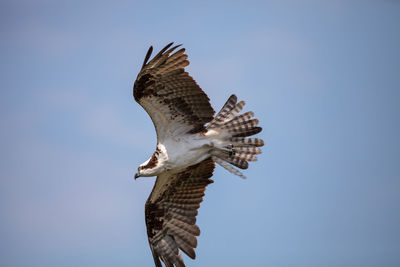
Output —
<point x="323" y="77"/>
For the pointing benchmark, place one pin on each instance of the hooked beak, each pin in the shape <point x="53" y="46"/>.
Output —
<point x="136" y="175"/>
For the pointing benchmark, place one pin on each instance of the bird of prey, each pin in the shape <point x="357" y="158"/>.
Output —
<point x="190" y="140"/>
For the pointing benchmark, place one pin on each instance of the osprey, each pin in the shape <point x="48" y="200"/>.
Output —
<point x="190" y="140"/>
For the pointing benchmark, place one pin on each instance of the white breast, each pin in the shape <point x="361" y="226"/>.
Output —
<point x="185" y="151"/>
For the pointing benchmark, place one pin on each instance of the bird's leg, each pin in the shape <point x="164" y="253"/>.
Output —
<point x="231" y="150"/>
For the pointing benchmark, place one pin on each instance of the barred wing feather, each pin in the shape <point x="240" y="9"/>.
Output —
<point x="171" y="212"/>
<point x="172" y="98"/>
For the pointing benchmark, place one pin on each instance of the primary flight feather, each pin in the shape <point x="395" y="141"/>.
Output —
<point x="190" y="140"/>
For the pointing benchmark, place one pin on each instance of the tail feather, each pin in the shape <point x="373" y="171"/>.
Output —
<point x="227" y="113"/>
<point x="231" y="158"/>
<point x="228" y="167"/>
<point x="248" y="150"/>
<point x="236" y="110"/>
<point x="229" y="105"/>
<point x="248" y="132"/>
<point x="240" y="127"/>
<point x="234" y="147"/>
<point x="242" y="141"/>
<point x="238" y="162"/>
<point x="239" y="119"/>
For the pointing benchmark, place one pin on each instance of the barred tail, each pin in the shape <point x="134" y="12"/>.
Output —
<point x="233" y="145"/>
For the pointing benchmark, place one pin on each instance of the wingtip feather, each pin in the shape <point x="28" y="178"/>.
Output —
<point x="148" y="55"/>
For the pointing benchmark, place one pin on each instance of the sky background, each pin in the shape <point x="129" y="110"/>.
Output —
<point x="322" y="77"/>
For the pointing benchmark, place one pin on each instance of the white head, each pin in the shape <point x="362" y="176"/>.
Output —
<point x="147" y="168"/>
<point x="154" y="165"/>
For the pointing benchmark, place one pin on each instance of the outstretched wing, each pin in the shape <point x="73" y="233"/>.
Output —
<point x="171" y="212"/>
<point x="172" y="98"/>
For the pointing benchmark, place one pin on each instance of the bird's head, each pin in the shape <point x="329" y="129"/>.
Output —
<point x="140" y="172"/>
<point x="150" y="167"/>
<point x="137" y="174"/>
<point x="144" y="170"/>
